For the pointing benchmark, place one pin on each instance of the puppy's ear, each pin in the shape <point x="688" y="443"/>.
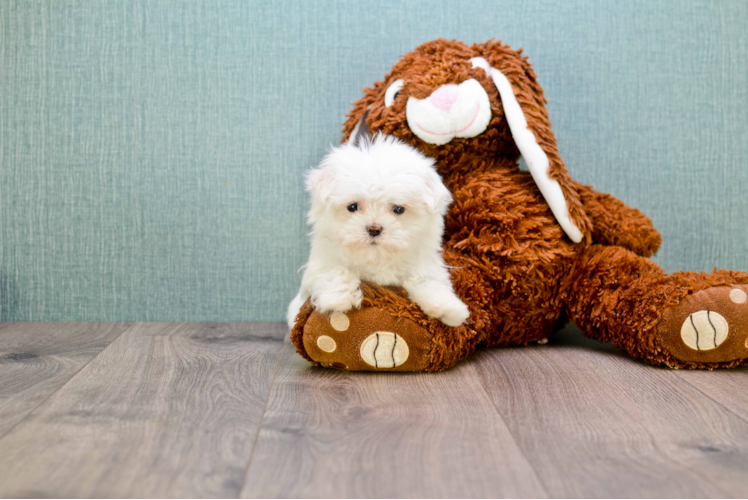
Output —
<point x="319" y="183"/>
<point x="436" y="196"/>
<point x="524" y="107"/>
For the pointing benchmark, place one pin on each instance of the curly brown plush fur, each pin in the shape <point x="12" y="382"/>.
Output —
<point x="512" y="264"/>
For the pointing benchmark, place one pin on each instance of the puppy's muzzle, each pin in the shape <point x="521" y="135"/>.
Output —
<point x="374" y="230"/>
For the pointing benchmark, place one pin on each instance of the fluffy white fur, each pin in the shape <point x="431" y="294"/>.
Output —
<point x="377" y="176"/>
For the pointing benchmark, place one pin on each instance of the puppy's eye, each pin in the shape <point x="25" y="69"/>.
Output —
<point x="353" y="207"/>
<point x="398" y="209"/>
<point x="392" y="91"/>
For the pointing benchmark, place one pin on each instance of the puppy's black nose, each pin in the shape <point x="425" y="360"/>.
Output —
<point x="374" y="230"/>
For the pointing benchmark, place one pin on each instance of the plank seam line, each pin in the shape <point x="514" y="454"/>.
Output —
<point x="708" y="396"/>
<point x="511" y="434"/>
<point x="262" y="418"/>
<point x="676" y="375"/>
<point x="67" y="381"/>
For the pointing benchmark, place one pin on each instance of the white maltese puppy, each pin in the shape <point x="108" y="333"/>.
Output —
<point x="377" y="214"/>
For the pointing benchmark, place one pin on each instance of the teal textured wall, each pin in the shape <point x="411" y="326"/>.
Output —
<point x="151" y="152"/>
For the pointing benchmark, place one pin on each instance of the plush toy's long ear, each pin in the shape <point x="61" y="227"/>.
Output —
<point x="524" y="107"/>
<point x="360" y="131"/>
<point x="355" y="126"/>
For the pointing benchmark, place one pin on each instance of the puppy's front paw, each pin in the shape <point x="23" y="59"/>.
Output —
<point x="338" y="300"/>
<point x="446" y="307"/>
<point x="455" y="314"/>
<point x="293" y="310"/>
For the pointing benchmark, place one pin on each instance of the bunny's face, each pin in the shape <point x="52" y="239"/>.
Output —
<point x="437" y="99"/>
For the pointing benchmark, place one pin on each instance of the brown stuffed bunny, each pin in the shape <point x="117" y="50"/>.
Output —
<point x="529" y="251"/>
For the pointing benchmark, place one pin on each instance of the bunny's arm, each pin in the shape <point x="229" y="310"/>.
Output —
<point x="615" y="223"/>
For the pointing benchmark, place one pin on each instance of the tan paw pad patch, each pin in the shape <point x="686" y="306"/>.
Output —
<point x="326" y="343"/>
<point x="340" y="321"/>
<point x="384" y="350"/>
<point x="704" y="330"/>
<point x="737" y="295"/>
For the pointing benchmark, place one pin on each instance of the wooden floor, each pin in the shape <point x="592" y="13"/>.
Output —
<point x="230" y="410"/>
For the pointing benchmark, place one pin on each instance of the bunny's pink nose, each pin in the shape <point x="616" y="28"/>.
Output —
<point x="444" y="97"/>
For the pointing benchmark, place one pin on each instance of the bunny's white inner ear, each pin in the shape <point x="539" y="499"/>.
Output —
<point x="360" y="130"/>
<point x="535" y="157"/>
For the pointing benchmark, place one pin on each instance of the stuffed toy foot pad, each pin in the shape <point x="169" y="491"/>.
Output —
<point x="709" y="326"/>
<point x="366" y="339"/>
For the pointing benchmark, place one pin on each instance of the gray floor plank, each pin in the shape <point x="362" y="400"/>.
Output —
<point x="167" y="410"/>
<point x="594" y="422"/>
<point x="728" y="387"/>
<point x="338" y="434"/>
<point x="36" y="359"/>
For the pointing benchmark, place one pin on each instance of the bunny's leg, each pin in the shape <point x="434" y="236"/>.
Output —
<point x="683" y="320"/>
<point x="615" y="223"/>
<point x="389" y="332"/>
